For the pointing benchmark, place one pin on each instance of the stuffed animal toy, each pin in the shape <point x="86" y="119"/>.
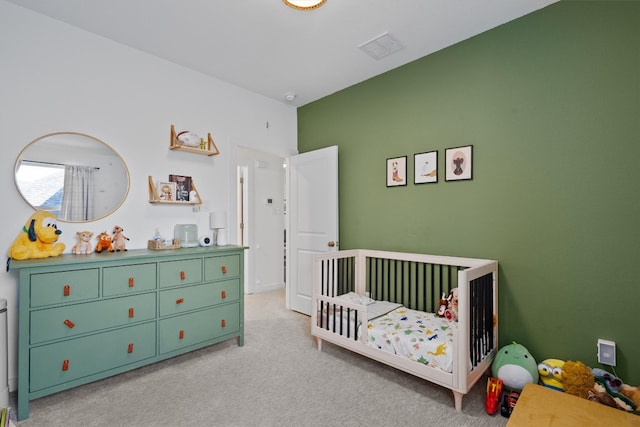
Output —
<point x="602" y="397"/>
<point x="633" y="393"/>
<point x="577" y="379"/>
<point x="610" y="381"/>
<point x="84" y="245"/>
<point x="550" y="372"/>
<point x="119" y="238"/>
<point x="104" y="242"/>
<point x="620" y="401"/>
<point x="515" y="366"/>
<point x="38" y="238"/>
<point x="451" y="313"/>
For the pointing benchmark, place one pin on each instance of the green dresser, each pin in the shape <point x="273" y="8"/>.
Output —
<point x="86" y="317"/>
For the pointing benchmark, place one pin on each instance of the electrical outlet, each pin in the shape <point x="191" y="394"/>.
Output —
<point x="606" y="352"/>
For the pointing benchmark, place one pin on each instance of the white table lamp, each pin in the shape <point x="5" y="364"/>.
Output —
<point x="218" y="222"/>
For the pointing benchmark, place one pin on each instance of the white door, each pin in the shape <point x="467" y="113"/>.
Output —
<point x="312" y="207"/>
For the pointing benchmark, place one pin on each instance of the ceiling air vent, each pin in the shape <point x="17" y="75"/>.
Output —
<point x="381" y="46"/>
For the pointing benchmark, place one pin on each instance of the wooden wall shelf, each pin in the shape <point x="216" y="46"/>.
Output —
<point x="154" y="197"/>
<point x="210" y="150"/>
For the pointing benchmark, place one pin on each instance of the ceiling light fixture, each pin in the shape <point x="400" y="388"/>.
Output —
<point x="304" y="4"/>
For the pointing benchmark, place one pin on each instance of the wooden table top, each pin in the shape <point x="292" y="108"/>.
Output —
<point x="542" y="406"/>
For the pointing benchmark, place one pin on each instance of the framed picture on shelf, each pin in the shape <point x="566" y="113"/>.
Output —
<point x="166" y="191"/>
<point x="425" y="167"/>
<point x="459" y="163"/>
<point x="397" y="171"/>
<point x="183" y="187"/>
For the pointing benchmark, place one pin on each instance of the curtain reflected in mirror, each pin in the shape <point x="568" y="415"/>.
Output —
<point x="77" y="197"/>
<point x="75" y="176"/>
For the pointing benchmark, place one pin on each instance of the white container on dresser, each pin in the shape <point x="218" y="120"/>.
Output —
<point x="87" y="317"/>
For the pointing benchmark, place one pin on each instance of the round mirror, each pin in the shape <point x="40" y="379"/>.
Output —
<point x="76" y="176"/>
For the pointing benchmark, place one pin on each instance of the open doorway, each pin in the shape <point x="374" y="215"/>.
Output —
<point x="261" y="218"/>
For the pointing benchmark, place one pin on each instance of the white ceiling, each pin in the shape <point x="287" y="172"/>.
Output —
<point x="271" y="49"/>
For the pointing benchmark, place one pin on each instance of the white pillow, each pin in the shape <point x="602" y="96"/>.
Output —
<point x="357" y="298"/>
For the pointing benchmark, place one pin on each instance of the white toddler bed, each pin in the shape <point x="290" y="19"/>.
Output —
<point x="396" y="295"/>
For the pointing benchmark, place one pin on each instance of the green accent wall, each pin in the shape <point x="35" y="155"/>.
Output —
<point x="551" y="104"/>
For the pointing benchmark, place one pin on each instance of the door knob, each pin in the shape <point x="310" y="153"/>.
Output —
<point x="331" y="244"/>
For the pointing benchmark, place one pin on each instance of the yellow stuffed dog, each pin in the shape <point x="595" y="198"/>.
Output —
<point x="38" y="238"/>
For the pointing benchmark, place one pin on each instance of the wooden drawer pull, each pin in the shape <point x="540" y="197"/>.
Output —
<point x="223" y="294"/>
<point x="182" y="275"/>
<point x="69" y="324"/>
<point x="179" y="300"/>
<point x="131" y="282"/>
<point x="181" y="334"/>
<point x="130" y="348"/>
<point x="223" y="323"/>
<point x="224" y="269"/>
<point x="65" y="365"/>
<point x="131" y="313"/>
<point x="67" y="290"/>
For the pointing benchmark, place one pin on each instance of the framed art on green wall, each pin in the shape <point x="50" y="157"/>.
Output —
<point x="397" y="171"/>
<point x="425" y="167"/>
<point x="458" y="163"/>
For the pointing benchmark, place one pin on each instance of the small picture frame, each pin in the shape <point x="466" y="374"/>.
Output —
<point x="397" y="171"/>
<point x="459" y="163"/>
<point x="183" y="187"/>
<point x="425" y="167"/>
<point x="166" y="191"/>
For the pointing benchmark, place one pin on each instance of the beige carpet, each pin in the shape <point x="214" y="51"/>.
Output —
<point x="278" y="378"/>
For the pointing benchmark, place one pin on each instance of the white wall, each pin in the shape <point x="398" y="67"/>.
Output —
<point x="55" y="77"/>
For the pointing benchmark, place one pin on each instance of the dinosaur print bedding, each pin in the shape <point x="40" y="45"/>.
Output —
<point x="416" y="335"/>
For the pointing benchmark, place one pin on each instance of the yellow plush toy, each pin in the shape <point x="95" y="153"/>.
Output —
<point x="38" y="238"/>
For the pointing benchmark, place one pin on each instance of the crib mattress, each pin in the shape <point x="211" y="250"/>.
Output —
<point x="416" y="335"/>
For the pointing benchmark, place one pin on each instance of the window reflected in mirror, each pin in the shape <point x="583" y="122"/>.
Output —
<point x="42" y="184"/>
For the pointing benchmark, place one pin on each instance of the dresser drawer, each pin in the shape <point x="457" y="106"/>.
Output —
<point x="221" y="267"/>
<point x="183" y="272"/>
<point x="64" y="286"/>
<point x="183" y="299"/>
<point x="70" y="360"/>
<point x="128" y="279"/>
<point x="72" y="320"/>
<point x="193" y="328"/>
